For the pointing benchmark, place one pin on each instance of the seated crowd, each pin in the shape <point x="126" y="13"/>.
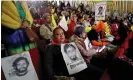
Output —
<point x="101" y="65"/>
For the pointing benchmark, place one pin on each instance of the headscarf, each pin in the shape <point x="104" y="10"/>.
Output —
<point x="79" y="30"/>
<point x="100" y="26"/>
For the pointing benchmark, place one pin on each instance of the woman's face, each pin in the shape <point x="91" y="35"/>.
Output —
<point x="74" y="18"/>
<point x="59" y="36"/>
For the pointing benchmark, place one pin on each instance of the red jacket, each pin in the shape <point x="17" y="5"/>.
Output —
<point x="114" y="31"/>
<point x="71" y="27"/>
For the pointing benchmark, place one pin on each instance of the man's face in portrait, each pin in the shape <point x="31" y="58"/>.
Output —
<point x="100" y="9"/>
<point x="71" y="52"/>
<point x="20" y="65"/>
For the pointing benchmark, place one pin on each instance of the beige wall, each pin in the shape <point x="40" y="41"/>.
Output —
<point x="120" y="6"/>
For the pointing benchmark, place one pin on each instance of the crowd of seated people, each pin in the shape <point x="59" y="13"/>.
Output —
<point x="112" y="33"/>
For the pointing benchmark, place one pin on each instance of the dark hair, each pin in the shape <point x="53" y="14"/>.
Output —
<point x="19" y="59"/>
<point x="66" y="46"/>
<point x="45" y="15"/>
<point x="100" y="7"/>
<point x="56" y="29"/>
<point x="79" y="17"/>
<point x="79" y="30"/>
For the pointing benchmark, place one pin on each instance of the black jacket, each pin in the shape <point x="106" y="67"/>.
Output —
<point x="53" y="62"/>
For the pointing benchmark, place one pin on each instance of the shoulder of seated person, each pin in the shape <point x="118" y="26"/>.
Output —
<point x="43" y="26"/>
<point x="80" y="39"/>
<point x="52" y="46"/>
<point x="73" y="37"/>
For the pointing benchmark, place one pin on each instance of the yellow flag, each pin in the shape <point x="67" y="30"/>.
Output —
<point x="132" y="28"/>
<point x="53" y="19"/>
<point x="107" y="29"/>
<point x="87" y="29"/>
<point x="53" y="22"/>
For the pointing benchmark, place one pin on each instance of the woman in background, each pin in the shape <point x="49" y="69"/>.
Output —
<point x="79" y="38"/>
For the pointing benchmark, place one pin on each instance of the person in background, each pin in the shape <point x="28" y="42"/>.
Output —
<point x="36" y="17"/>
<point x="79" y="37"/>
<point x="53" y="58"/>
<point x="114" y="31"/>
<point x="123" y="30"/>
<point x="108" y="14"/>
<point x="87" y="23"/>
<point x="92" y="15"/>
<point x="72" y="25"/>
<point x="115" y="14"/>
<point x="46" y="28"/>
<point x="125" y="14"/>
<point x="80" y="20"/>
<point x="53" y="17"/>
<point x="121" y="68"/>
<point x="35" y="14"/>
<point x="96" y="35"/>
<point x="87" y="10"/>
<point x="129" y="16"/>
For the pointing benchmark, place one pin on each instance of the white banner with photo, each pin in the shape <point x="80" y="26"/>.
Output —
<point x="19" y="67"/>
<point x="73" y="58"/>
<point x="100" y="10"/>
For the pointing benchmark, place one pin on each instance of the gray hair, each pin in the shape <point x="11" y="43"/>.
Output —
<point x="45" y="15"/>
<point x="85" y="16"/>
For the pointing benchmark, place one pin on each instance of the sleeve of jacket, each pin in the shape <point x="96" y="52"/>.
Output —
<point x="84" y="52"/>
<point x="96" y="43"/>
<point x="48" y="63"/>
<point x="45" y="33"/>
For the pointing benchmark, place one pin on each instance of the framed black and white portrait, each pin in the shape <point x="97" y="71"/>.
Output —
<point x="19" y="67"/>
<point x="100" y="10"/>
<point x="73" y="58"/>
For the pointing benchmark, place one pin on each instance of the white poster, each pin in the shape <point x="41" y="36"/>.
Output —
<point x="87" y="44"/>
<point x="19" y="67"/>
<point x="72" y="57"/>
<point x="63" y="23"/>
<point x="100" y="10"/>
